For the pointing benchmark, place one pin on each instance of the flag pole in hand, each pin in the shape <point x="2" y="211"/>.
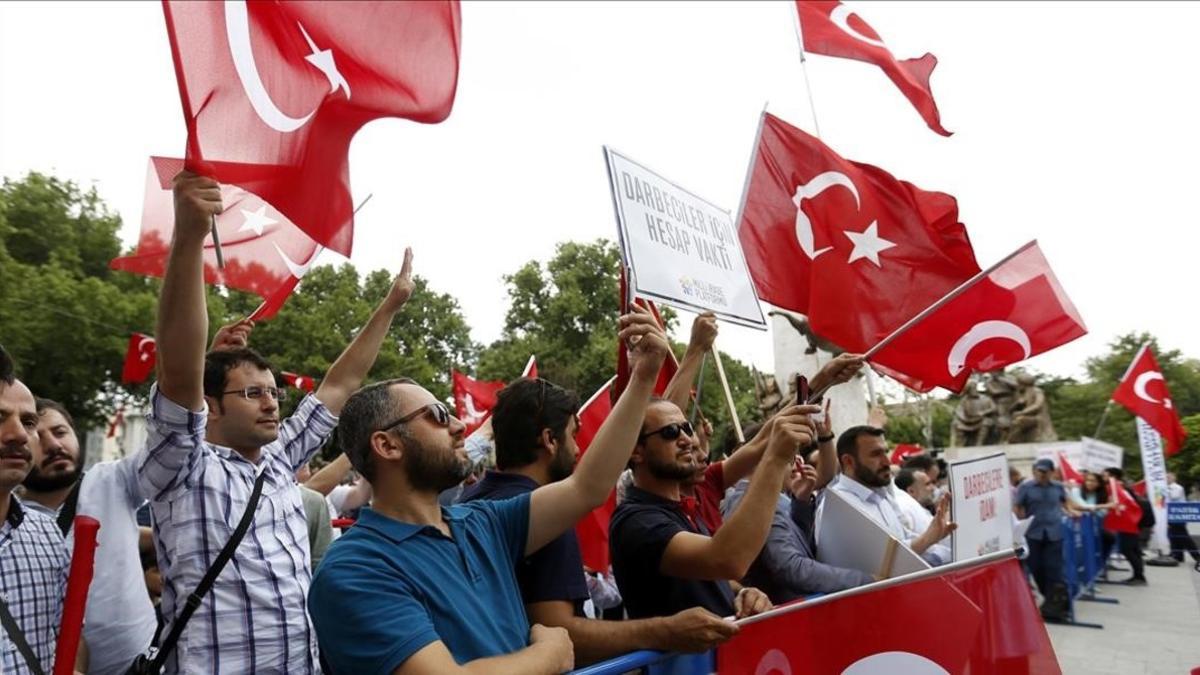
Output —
<point x="737" y="424"/>
<point x="217" y="244"/>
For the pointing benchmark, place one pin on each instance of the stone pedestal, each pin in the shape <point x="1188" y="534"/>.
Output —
<point x="848" y="401"/>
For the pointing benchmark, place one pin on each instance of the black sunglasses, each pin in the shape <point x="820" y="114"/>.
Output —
<point x="669" y="432"/>
<point x="438" y="411"/>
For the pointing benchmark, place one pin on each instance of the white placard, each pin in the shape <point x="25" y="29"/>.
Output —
<point x="850" y="538"/>
<point x="1098" y="455"/>
<point x="1155" y="468"/>
<point x="982" y="501"/>
<point x="680" y="249"/>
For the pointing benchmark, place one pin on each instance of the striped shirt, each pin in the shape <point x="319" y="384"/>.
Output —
<point x="255" y="618"/>
<point x="33" y="578"/>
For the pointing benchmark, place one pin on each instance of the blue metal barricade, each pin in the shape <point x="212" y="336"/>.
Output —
<point x="655" y="663"/>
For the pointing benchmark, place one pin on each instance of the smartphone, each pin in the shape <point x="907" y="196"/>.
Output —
<point x="801" y="390"/>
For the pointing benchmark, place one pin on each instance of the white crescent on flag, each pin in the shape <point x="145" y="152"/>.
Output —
<point x="1139" y="387"/>
<point x="890" y="663"/>
<point x="984" y="330"/>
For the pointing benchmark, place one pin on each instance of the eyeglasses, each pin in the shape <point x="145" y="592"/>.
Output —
<point x="438" y="411"/>
<point x="255" y="393"/>
<point x="669" y="432"/>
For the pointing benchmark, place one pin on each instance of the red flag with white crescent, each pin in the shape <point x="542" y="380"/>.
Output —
<point x="302" y="382"/>
<point x="1143" y="390"/>
<point x="473" y="399"/>
<point x="592" y="530"/>
<point x="273" y="92"/>
<point x="834" y="29"/>
<point x="1069" y="473"/>
<point x="140" y="358"/>
<point x="1127" y="514"/>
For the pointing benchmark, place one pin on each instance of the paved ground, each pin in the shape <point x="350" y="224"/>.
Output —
<point x="1155" y="630"/>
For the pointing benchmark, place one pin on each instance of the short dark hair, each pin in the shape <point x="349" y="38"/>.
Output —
<point x="44" y="404"/>
<point x="731" y="442"/>
<point x="919" y="462"/>
<point x="7" y="368"/>
<point x="905" y="478"/>
<point x="847" y="443"/>
<point x="1115" y="472"/>
<point x="218" y="364"/>
<point x="523" y="408"/>
<point x="364" y="413"/>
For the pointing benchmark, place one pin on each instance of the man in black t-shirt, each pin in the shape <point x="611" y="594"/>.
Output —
<point x="665" y="561"/>
<point x="534" y="424"/>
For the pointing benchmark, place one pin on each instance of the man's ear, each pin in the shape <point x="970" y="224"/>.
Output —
<point x="385" y="447"/>
<point x="214" y="408"/>
<point x="547" y="441"/>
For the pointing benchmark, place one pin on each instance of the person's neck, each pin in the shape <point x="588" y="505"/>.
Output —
<point x="251" y="454"/>
<point x="667" y="489"/>
<point x="538" y="472"/>
<point x="51" y="500"/>
<point x="403" y="503"/>
<point x="5" y="500"/>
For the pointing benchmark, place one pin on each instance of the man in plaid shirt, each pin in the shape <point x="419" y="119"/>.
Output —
<point x="33" y="560"/>
<point x="213" y="428"/>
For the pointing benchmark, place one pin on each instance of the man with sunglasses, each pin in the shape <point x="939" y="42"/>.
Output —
<point x="213" y="429"/>
<point x="534" y="424"/>
<point x="415" y="587"/>
<point x="666" y="561"/>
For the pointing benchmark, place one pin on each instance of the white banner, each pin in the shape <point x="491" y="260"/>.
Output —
<point x="848" y="537"/>
<point x="1155" y="468"/>
<point x="1098" y="455"/>
<point x="680" y="249"/>
<point x="982" y="502"/>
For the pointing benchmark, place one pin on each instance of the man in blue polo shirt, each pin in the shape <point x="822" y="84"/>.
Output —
<point x="534" y="424"/>
<point x="418" y="588"/>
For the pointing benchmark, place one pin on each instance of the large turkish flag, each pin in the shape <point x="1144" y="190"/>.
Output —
<point x="473" y="399"/>
<point x="1144" y="392"/>
<point x="1017" y="309"/>
<point x="833" y="29"/>
<point x="273" y="92"/>
<point x="592" y="530"/>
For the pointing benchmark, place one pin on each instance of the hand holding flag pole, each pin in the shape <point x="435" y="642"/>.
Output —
<point x="217" y="244"/>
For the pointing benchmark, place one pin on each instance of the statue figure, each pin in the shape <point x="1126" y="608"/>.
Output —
<point x="815" y="342"/>
<point x="973" y="418"/>
<point x="766" y="390"/>
<point x="1030" y="415"/>
<point x="1001" y="387"/>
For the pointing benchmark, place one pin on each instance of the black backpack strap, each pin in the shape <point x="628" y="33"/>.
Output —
<point x="18" y="637"/>
<point x="66" y="515"/>
<point x="210" y="577"/>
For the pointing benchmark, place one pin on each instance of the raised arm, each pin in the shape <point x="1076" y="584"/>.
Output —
<point x="827" y="466"/>
<point x="838" y="371"/>
<point x="555" y="507"/>
<point x="182" y="324"/>
<point x="704" y="334"/>
<point x="351" y="368"/>
<point x="729" y="553"/>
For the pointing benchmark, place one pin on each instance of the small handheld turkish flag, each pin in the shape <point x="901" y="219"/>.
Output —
<point x="473" y="399"/>
<point x="273" y="92"/>
<point x="1127" y="514"/>
<point x="857" y="250"/>
<point x="302" y="382"/>
<point x="1143" y="390"/>
<point x="833" y="29"/>
<point x="139" y="359"/>
<point x="1006" y="314"/>
<point x="1070" y="475"/>
<point x="903" y="451"/>
<point x="265" y="253"/>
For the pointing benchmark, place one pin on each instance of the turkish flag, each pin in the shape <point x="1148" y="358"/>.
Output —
<point x="979" y="619"/>
<point x="473" y="399"/>
<point x="669" y="367"/>
<point x="1069" y="473"/>
<point x="1012" y="311"/>
<point x="273" y="92"/>
<point x="1144" y="392"/>
<point x="302" y="382"/>
<point x="592" y="530"/>
<point x="1139" y="488"/>
<point x="846" y="243"/>
<point x="139" y="359"/>
<point x="903" y="451"/>
<point x="833" y="29"/>
<point x="264" y="252"/>
<point x="530" y="367"/>
<point x="1127" y="514"/>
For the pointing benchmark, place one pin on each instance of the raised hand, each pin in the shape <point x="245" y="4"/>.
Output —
<point x="838" y="371"/>
<point x="824" y="422"/>
<point x="792" y="429"/>
<point x="804" y="481"/>
<point x="941" y="525"/>
<point x="234" y="335"/>
<point x="197" y="200"/>
<point x="647" y="342"/>
<point x="402" y="286"/>
<point x="704" y="332"/>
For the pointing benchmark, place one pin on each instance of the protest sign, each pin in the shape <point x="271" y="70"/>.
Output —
<point x="982" y="502"/>
<point x="680" y="249"/>
<point x="1098" y="455"/>
<point x="1183" y="512"/>
<point x="857" y="541"/>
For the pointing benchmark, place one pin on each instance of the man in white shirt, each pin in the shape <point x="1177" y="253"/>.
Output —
<point x="914" y="495"/>
<point x="866" y="482"/>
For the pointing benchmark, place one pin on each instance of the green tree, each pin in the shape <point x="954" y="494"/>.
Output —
<point x="565" y="312"/>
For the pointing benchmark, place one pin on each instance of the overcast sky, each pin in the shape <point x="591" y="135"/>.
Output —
<point x="1076" y="124"/>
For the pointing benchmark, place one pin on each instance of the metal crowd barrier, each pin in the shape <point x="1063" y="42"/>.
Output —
<point x="1083" y="562"/>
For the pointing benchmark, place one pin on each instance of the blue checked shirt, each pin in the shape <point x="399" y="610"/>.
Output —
<point x="33" y="579"/>
<point x="255" y="618"/>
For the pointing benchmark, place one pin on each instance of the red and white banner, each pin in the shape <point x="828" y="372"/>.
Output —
<point x="1012" y="311"/>
<point x="273" y="92"/>
<point x="592" y="530"/>
<point x="903" y="451"/>
<point x="1127" y="514"/>
<point x="140" y="358"/>
<point x="265" y="254"/>
<point x="974" y="617"/>
<point x="834" y="29"/>
<point x="1143" y="390"/>
<point x="473" y="399"/>
<point x="1069" y="474"/>
<point x="302" y="382"/>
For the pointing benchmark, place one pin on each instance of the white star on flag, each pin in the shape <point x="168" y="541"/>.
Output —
<point x="256" y="220"/>
<point x="868" y="244"/>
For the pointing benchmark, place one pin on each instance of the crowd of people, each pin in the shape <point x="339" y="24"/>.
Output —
<point x="217" y="552"/>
